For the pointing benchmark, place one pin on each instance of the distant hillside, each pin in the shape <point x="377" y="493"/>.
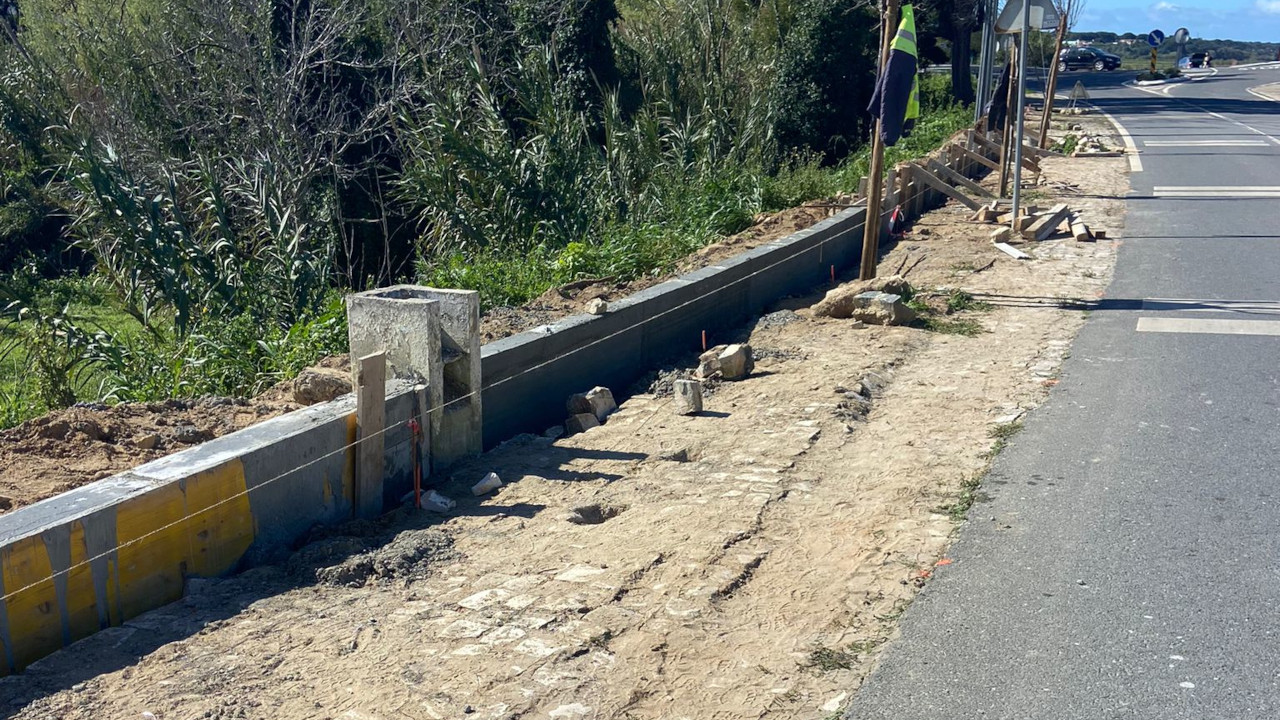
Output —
<point x="1133" y="46"/>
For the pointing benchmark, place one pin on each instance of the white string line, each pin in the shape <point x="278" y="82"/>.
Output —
<point x="467" y="396"/>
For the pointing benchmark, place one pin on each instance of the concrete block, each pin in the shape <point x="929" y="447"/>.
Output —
<point x="688" y="397"/>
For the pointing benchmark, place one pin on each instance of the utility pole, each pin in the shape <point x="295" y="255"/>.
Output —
<point x="875" y="181"/>
<point x="986" y="62"/>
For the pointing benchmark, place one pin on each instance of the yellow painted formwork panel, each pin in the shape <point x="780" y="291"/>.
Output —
<point x="221" y="528"/>
<point x="35" y="620"/>
<point x="200" y="525"/>
<point x="81" y="598"/>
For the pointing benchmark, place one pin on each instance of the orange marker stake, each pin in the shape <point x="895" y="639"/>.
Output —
<point x="833" y="274"/>
<point x="704" y="341"/>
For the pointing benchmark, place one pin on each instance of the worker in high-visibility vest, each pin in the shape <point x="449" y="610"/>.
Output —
<point x="896" y="101"/>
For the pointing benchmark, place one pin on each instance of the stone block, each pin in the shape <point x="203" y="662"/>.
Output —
<point x="736" y="362"/>
<point x="880" y="308"/>
<point x="597" y="401"/>
<point x="580" y="422"/>
<point x="688" y="397"/>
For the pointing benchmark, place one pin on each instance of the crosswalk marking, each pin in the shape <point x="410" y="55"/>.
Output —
<point x="1249" y="307"/>
<point x="1209" y="326"/>
<point x="1217" y="191"/>
<point x="1205" y="143"/>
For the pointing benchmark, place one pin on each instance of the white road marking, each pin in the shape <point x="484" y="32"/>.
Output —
<point x="1251" y="307"/>
<point x="1254" y="92"/>
<point x="1217" y="191"/>
<point x="1209" y="326"/>
<point x="1205" y="143"/>
<point x="1135" y="162"/>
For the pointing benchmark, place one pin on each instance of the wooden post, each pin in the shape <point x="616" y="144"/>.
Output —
<point x="1006" y="134"/>
<point x="1052" y="87"/>
<point x="371" y="420"/>
<point x="871" y="227"/>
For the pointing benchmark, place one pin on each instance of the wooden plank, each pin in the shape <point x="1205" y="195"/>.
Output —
<point x="944" y="188"/>
<point x="1012" y="251"/>
<point x="1080" y="232"/>
<point x="958" y="179"/>
<point x="980" y="159"/>
<point x="985" y="143"/>
<point x="1046" y="225"/>
<point x="371" y="421"/>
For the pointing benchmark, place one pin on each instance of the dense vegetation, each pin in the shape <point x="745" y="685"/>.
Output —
<point x="187" y="187"/>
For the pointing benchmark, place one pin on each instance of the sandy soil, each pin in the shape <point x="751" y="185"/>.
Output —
<point x="68" y="448"/>
<point x="745" y="563"/>
<point x="1271" y="91"/>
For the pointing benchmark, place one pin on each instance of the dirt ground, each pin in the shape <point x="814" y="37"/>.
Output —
<point x="68" y="448"/>
<point x="748" y="562"/>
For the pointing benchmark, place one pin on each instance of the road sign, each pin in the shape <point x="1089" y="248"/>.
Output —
<point x="1043" y="16"/>
<point x="1155" y="38"/>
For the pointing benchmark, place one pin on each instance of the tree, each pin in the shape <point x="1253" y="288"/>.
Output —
<point x="1071" y="9"/>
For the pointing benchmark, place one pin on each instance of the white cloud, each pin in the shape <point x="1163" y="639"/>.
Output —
<point x="1170" y="7"/>
<point x="1271" y="7"/>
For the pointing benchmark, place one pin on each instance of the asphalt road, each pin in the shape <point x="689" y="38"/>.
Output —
<point x="1127" y="562"/>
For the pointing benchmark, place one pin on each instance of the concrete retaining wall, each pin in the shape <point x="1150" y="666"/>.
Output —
<point x="141" y="534"/>
<point x="527" y="377"/>
<point x="106" y="552"/>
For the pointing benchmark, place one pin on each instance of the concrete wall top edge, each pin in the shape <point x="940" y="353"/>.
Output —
<point x="87" y="499"/>
<point x="80" y="502"/>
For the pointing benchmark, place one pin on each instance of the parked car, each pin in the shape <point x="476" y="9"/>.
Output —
<point x="1199" y="60"/>
<point x="1087" y="57"/>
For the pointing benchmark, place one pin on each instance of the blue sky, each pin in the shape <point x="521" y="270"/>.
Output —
<point x="1212" y="19"/>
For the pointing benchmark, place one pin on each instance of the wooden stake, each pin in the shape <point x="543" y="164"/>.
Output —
<point x="871" y="228"/>
<point x="371" y="420"/>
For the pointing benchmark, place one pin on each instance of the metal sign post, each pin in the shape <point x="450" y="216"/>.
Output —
<point x="1022" y="111"/>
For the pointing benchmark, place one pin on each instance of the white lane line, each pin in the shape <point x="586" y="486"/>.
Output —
<point x="1135" y="162"/>
<point x="1207" y="326"/>
<point x="1205" y="143"/>
<point x="1217" y="191"/>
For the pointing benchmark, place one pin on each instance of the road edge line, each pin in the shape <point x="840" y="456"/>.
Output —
<point x="1135" y="162"/>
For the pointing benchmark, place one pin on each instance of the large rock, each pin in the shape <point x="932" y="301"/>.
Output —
<point x="839" y="302"/>
<point x="597" y="401"/>
<point x="581" y="422"/>
<point x="736" y="362"/>
<point x="688" y="397"/>
<point x="317" y="385"/>
<point x="709" y="363"/>
<point x="881" y="308"/>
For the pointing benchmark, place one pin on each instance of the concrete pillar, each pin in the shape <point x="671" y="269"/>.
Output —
<point x="431" y="336"/>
